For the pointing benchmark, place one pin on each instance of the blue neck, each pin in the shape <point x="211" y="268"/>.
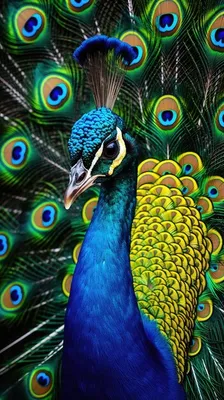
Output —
<point x="103" y="279"/>
<point x="106" y="349"/>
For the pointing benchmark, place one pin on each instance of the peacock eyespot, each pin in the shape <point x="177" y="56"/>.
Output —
<point x="216" y="272"/>
<point x="76" y="252"/>
<point x="167" y="112"/>
<point x="48" y="215"/>
<point x="4" y="246"/>
<point x="88" y="210"/>
<point x="215" y="188"/>
<point x="66" y="284"/>
<point x="41" y="383"/>
<point x="195" y="346"/>
<point x="187" y="169"/>
<point x="57" y="95"/>
<point x="110" y="150"/>
<point x="190" y="162"/>
<point x="204" y="310"/>
<point x="15" y="153"/>
<point x="216" y="34"/>
<point x="55" y="91"/>
<point x="217" y="37"/>
<point x="220" y="119"/>
<point x="167" y="117"/>
<point x="214" y="268"/>
<point x="79" y="5"/>
<point x="31" y="22"/>
<point x="189" y="185"/>
<point x="167" y="18"/>
<point x="44" y="217"/>
<point x="167" y="22"/>
<point x="16" y="295"/>
<point x="43" y="379"/>
<point x="185" y="190"/>
<point x="200" y="209"/>
<point x="213" y="192"/>
<point x="139" y="46"/>
<point x="200" y="307"/>
<point x="13" y="297"/>
<point x="139" y="55"/>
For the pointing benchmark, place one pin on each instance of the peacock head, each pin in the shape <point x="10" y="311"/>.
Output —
<point x="99" y="147"/>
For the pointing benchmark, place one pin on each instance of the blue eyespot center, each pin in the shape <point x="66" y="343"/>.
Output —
<point x="221" y="119"/>
<point x="79" y="3"/>
<point x="167" y="117"/>
<point x="200" y="209"/>
<point x="43" y="379"/>
<point x="214" y="267"/>
<point x="201" y="307"/>
<point x="56" y="92"/>
<point x="32" y="25"/>
<point x="135" y="48"/>
<point x="19" y="151"/>
<point x="185" y="190"/>
<point x="16" y="152"/>
<point x="213" y="192"/>
<point x="167" y="22"/>
<point x="139" y="54"/>
<point x="166" y="19"/>
<point x="3" y="245"/>
<point x="188" y="168"/>
<point x="217" y="37"/>
<point x="57" y="95"/>
<point x="16" y="294"/>
<point x="48" y="216"/>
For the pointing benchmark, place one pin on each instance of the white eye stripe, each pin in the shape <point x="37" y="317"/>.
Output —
<point x="121" y="154"/>
<point x="96" y="158"/>
<point x="118" y="159"/>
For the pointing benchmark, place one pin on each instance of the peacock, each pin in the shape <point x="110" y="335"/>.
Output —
<point x="112" y="199"/>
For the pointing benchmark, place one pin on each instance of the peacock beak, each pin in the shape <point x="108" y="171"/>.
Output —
<point x="80" y="180"/>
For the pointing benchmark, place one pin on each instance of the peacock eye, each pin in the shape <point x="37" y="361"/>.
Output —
<point x="111" y="150"/>
<point x="216" y="34"/>
<point x="15" y="153"/>
<point x="167" y="17"/>
<point x="31" y="22"/>
<point x="139" y="47"/>
<point x="221" y="118"/>
<point x="13" y="296"/>
<point x="167" y="22"/>
<point x="217" y="37"/>
<point x="56" y="92"/>
<point x="79" y="5"/>
<point x="41" y="383"/>
<point x="167" y="117"/>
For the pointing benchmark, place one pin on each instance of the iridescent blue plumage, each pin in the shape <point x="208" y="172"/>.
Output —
<point x="103" y="44"/>
<point x="89" y="132"/>
<point x="109" y="352"/>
